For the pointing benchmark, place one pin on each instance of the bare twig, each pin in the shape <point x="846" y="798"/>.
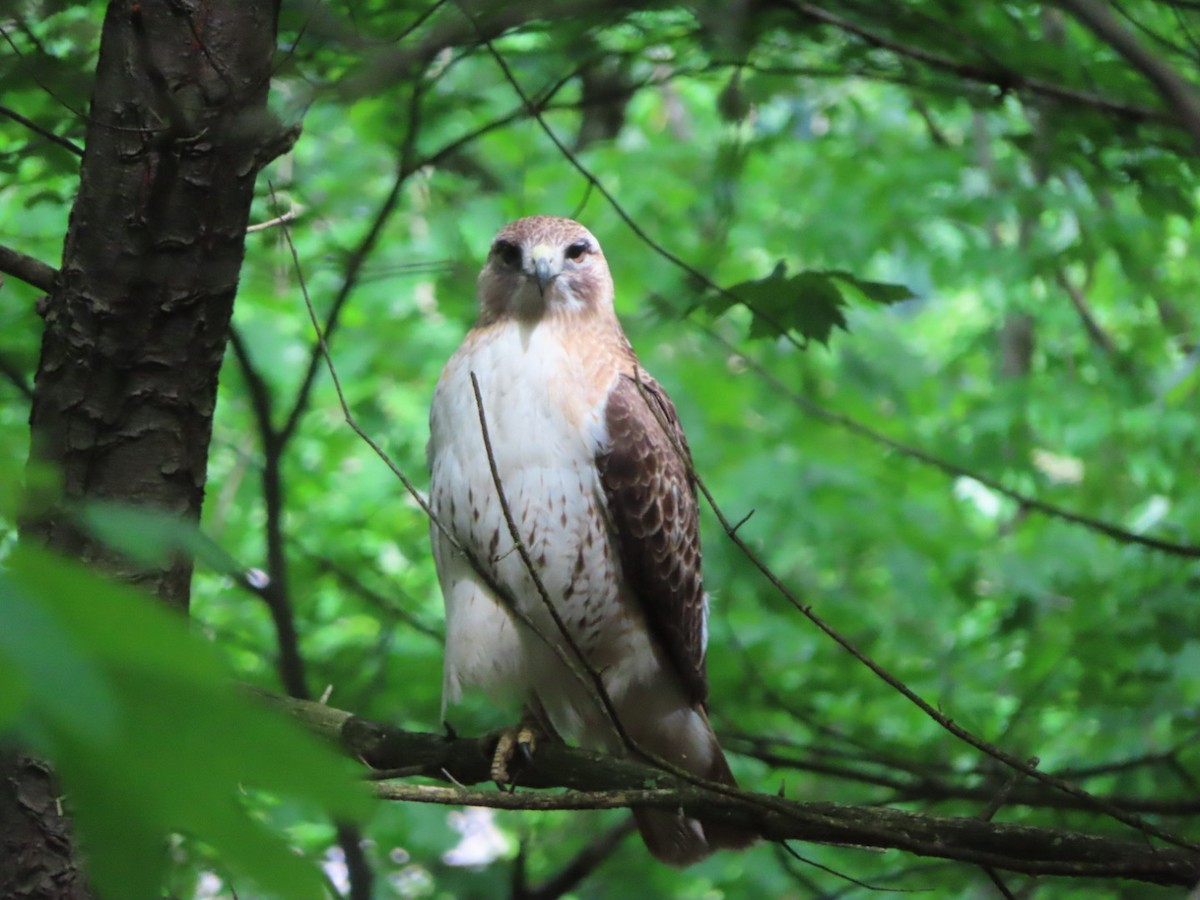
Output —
<point x="39" y="130"/>
<point x="290" y="216"/>
<point x="1004" y="79"/>
<point x="1121" y="535"/>
<point x="581" y="865"/>
<point x="898" y="685"/>
<point x="597" y="693"/>
<point x="1095" y="333"/>
<point x="385" y="605"/>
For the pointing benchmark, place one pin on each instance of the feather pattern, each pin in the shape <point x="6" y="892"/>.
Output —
<point x="604" y="502"/>
<point x="647" y="478"/>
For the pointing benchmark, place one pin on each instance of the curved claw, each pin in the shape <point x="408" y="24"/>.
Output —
<point x="515" y="745"/>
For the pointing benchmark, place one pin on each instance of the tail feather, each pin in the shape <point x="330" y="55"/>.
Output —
<point x="675" y="839"/>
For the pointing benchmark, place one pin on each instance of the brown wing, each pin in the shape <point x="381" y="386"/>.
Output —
<point x="652" y="502"/>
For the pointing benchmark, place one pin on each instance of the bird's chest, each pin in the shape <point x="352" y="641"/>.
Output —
<point x="544" y="424"/>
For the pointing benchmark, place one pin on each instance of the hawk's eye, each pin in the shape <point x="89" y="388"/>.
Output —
<point x="508" y="253"/>
<point x="577" y="249"/>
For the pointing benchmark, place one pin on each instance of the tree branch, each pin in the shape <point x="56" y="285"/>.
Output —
<point x="577" y="868"/>
<point x="49" y="135"/>
<point x="597" y="781"/>
<point x="1119" y="534"/>
<point x="32" y="271"/>
<point x="954" y="470"/>
<point x="1180" y="96"/>
<point x="1004" y="78"/>
<point x="16" y="376"/>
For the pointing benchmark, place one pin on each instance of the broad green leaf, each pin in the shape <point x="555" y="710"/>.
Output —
<point x="180" y="746"/>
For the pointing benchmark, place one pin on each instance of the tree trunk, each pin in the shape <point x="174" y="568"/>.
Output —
<point x="137" y="322"/>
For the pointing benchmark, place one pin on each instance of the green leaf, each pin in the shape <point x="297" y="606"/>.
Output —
<point x="881" y="292"/>
<point x="180" y="746"/>
<point x="151" y="537"/>
<point x="808" y="303"/>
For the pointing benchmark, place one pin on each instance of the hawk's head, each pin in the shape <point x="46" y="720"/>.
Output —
<point x="544" y="265"/>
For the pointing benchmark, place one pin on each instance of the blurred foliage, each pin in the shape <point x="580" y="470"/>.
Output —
<point x="149" y="738"/>
<point x="1012" y="173"/>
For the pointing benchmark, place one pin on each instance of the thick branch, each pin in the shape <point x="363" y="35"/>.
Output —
<point x="596" y="781"/>
<point x="28" y="269"/>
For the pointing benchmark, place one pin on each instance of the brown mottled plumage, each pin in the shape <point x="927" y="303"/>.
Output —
<point x="605" y="504"/>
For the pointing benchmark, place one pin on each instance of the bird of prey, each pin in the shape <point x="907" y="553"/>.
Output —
<point x="592" y="461"/>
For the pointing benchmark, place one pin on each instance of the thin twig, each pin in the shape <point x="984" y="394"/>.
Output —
<point x="790" y="851"/>
<point x="290" y="216"/>
<point x="44" y="132"/>
<point x="577" y="868"/>
<point x="1026" y="501"/>
<point x="1005" y="79"/>
<point x="599" y="694"/>
<point x="15" y="376"/>
<point x="896" y="684"/>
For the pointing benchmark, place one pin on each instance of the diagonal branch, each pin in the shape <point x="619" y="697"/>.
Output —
<point x="1180" y="96"/>
<point x="16" y="376"/>
<point x="1027" y="767"/>
<point x="1004" y="78"/>
<point x="49" y="135"/>
<point x="28" y="269"/>
<point x="577" y="661"/>
<point x="579" y="867"/>
<point x="1119" y="534"/>
<point x="954" y="470"/>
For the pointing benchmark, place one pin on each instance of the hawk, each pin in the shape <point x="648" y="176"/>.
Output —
<point x="597" y="474"/>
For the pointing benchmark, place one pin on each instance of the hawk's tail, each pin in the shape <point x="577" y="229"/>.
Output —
<point x="672" y="837"/>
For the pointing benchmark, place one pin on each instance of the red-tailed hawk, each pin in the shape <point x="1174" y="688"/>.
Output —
<point x="605" y="504"/>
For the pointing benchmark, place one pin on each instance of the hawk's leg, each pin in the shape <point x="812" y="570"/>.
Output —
<point x="516" y="745"/>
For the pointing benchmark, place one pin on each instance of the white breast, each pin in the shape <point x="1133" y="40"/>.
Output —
<point x="545" y="438"/>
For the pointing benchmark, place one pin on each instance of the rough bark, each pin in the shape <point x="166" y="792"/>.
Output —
<point x="597" y="781"/>
<point x="35" y="837"/>
<point x="137" y="320"/>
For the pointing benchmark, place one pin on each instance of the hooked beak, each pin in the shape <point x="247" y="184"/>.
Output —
<point x="544" y="269"/>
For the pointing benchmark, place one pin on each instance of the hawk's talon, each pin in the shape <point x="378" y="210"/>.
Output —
<point x="514" y="745"/>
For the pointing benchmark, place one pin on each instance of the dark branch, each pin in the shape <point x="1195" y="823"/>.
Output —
<point x="44" y="132"/>
<point x="1003" y="78"/>
<point x="15" y="376"/>
<point x="32" y="271"/>
<point x="275" y="592"/>
<point x="580" y="866"/>
<point x="954" y="470"/>
<point x="596" y="781"/>
<point x="948" y="724"/>
<point x="1180" y="96"/>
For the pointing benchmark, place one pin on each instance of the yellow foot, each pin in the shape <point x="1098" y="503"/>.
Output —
<point x="516" y="745"/>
